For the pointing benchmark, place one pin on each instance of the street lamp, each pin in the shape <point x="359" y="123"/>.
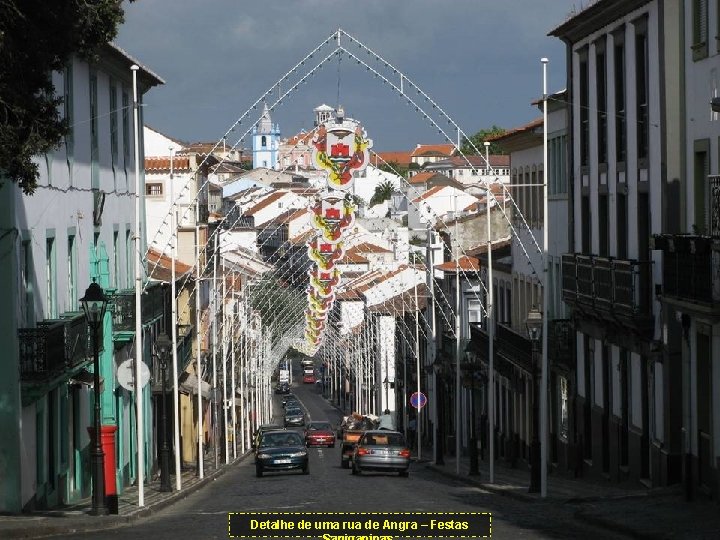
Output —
<point x="94" y="305"/>
<point x="470" y="371"/>
<point x="534" y="327"/>
<point x="164" y="349"/>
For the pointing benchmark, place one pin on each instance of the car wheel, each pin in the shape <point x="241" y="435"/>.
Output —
<point x="344" y="463"/>
<point x="355" y="469"/>
<point x="258" y="471"/>
<point x="404" y="474"/>
<point x="306" y="469"/>
<point x="332" y="445"/>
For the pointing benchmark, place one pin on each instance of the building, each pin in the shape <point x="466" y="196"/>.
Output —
<point x="77" y="228"/>
<point x="265" y="141"/>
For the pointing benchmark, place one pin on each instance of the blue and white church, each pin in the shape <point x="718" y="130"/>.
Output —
<point x="265" y="142"/>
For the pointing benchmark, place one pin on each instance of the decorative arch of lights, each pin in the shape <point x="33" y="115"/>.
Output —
<point x="285" y="327"/>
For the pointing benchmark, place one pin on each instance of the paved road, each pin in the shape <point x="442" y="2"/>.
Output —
<point x="330" y="488"/>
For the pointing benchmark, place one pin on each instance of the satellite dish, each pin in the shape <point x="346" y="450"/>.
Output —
<point x="126" y="374"/>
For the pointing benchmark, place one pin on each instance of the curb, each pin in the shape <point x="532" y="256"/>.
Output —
<point x="488" y="487"/>
<point x="111" y="522"/>
<point x="613" y="526"/>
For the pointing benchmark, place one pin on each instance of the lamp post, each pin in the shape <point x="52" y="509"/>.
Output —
<point x="94" y="305"/>
<point x="534" y="327"/>
<point x="474" y="470"/>
<point x="164" y="347"/>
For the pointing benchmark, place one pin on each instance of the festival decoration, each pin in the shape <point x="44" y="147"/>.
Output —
<point x="341" y="149"/>
<point x="332" y="216"/>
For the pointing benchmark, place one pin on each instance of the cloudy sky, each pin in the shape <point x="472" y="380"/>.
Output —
<point x="479" y="60"/>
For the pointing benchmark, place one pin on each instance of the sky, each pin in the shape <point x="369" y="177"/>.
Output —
<point x="479" y="61"/>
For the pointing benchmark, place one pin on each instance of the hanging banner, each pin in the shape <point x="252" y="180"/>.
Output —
<point x="341" y="148"/>
<point x="319" y="304"/>
<point x="325" y="254"/>
<point x="332" y="216"/>
<point x="324" y="283"/>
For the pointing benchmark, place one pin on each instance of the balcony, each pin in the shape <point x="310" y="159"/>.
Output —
<point x="54" y="346"/>
<point x="612" y="290"/>
<point x="689" y="264"/>
<point x="153" y="303"/>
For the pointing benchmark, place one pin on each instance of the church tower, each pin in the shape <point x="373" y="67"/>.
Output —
<point x="266" y="138"/>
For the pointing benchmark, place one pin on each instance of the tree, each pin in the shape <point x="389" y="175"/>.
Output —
<point x="383" y="192"/>
<point x="38" y="37"/>
<point x="393" y="167"/>
<point x="479" y="138"/>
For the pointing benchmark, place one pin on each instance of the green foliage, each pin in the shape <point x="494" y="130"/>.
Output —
<point x="479" y="138"/>
<point x="383" y="192"/>
<point x="279" y="305"/>
<point x="393" y="167"/>
<point x="38" y="37"/>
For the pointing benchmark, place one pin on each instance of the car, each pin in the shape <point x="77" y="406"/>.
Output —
<point x="288" y="397"/>
<point x="381" y="450"/>
<point x="294" y="416"/>
<point x="309" y="378"/>
<point x="282" y="388"/>
<point x="292" y="403"/>
<point x="281" y="450"/>
<point x="262" y="428"/>
<point x="320" y="434"/>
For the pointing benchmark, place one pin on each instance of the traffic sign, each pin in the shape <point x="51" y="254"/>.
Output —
<point x="418" y="400"/>
<point x="126" y="374"/>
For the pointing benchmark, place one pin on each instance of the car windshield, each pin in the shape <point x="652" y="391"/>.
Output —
<point x="384" y="439"/>
<point x="281" y="439"/>
<point x="290" y="412"/>
<point x="320" y="426"/>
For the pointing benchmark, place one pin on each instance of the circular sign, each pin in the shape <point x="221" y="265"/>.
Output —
<point x="418" y="400"/>
<point x="126" y="374"/>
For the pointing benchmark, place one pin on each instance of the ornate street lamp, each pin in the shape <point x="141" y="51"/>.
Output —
<point x="164" y="349"/>
<point x="94" y="305"/>
<point x="534" y="327"/>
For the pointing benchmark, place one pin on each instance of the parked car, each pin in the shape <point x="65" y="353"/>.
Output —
<point x="292" y="403"/>
<point x="282" y="388"/>
<point x="281" y="451"/>
<point x="381" y="450"/>
<point x="309" y="378"/>
<point x="262" y="428"/>
<point x="319" y="434"/>
<point x="294" y="417"/>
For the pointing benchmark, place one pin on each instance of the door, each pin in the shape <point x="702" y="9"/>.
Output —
<point x="704" y="411"/>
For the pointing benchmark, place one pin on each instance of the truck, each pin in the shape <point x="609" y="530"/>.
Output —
<point x="349" y="433"/>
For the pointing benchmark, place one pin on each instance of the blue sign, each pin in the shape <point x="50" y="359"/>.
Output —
<point x="418" y="400"/>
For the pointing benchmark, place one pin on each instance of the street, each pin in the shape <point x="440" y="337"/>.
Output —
<point x="330" y="488"/>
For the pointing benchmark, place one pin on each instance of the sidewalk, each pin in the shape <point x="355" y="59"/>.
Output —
<point x="660" y="513"/>
<point x="75" y="519"/>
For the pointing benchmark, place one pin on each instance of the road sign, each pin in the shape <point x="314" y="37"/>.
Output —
<point x="418" y="400"/>
<point x="126" y="374"/>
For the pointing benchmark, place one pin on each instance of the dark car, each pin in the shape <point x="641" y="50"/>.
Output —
<point x="281" y="451"/>
<point x="282" y="388"/>
<point x="294" y="417"/>
<point x="320" y="434"/>
<point x="262" y="428"/>
<point x="381" y="450"/>
<point x="291" y="403"/>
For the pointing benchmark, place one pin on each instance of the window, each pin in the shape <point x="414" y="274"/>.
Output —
<point x="154" y="189"/>
<point x="126" y="129"/>
<point x="584" y="112"/>
<point x="50" y="279"/>
<point x="557" y="148"/>
<point x="699" y="29"/>
<point x="563" y="416"/>
<point x="620" y="120"/>
<point x="68" y="114"/>
<point x="641" y="91"/>
<point x="128" y="258"/>
<point x="263" y="141"/>
<point x="113" y="128"/>
<point x="701" y="169"/>
<point x="94" y="163"/>
<point x="601" y="89"/>
<point x="474" y="307"/>
<point x="116" y="259"/>
<point x="72" y="273"/>
<point x="603" y="224"/>
<point x="26" y="271"/>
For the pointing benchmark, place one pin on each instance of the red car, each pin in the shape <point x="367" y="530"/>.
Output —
<point x="309" y="378"/>
<point x="320" y="434"/>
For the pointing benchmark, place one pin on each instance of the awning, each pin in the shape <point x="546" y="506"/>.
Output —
<point x="84" y="377"/>
<point x="190" y="384"/>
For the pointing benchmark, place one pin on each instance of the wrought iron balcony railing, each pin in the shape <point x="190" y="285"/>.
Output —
<point x="607" y="286"/>
<point x="689" y="264"/>
<point x="153" y="301"/>
<point x="54" y="346"/>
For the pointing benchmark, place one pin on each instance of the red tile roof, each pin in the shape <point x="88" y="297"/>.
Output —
<point x="466" y="264"/>
<point x="267" y="201"/>
<point x="380" y="158"/>
<point x="366" y="247"/>
<point x="162" y="164"/>
<point x="433" y="150"/>
<point x="161" y="265"/>
<point x="429" y="193"/>
<point x="515" y="131"/>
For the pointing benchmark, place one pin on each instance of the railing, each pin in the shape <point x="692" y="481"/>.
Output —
<point x="714" y="205"/>
<point x="689" y="264"/>
<point x="54" y="346"/>
<point x="608" y="285"/>
<point x="124" y="313"/>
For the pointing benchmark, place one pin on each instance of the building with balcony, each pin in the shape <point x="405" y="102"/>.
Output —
<point x="621" y="54"/>
<point x="76" y="228"/>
